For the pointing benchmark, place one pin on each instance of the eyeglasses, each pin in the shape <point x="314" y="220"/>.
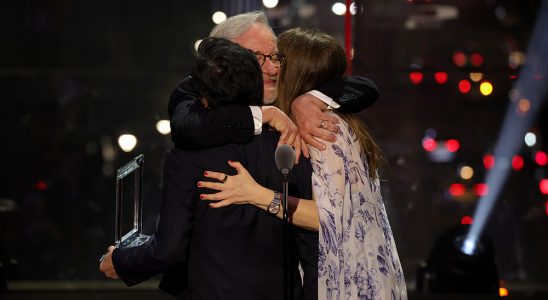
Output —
<point x="276" y="58"/>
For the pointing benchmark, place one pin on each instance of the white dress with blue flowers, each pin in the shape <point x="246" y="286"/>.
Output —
<point x="357" y="253"/>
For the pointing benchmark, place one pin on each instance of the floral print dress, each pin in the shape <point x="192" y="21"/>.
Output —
<point x="357" y="253"/>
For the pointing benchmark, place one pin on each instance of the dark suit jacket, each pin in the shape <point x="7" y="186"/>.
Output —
<point x="230" y="253"/>
<point x="195" y="127"/>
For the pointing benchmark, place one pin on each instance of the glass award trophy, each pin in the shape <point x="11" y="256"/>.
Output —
<point x="129" y="204"/>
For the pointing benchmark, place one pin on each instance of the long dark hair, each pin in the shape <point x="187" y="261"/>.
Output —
<point x="313" y="57"/>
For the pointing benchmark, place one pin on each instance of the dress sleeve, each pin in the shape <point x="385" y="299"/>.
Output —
<point x="194" y="126"/>
<point x="329" y="183"/>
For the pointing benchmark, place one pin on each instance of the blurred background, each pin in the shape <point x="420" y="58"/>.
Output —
<point x="84" y="87"/>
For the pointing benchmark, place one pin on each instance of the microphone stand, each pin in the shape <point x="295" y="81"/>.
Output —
<point x="288" y="283"/>
<point x="285" y="158"/>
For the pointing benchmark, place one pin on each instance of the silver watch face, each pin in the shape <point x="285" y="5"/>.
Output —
<point x="274" y="208"/>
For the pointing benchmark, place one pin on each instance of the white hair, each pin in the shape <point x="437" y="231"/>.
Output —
<point x="237" y="25"/>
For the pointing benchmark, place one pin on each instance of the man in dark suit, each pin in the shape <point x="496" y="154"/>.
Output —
<point x="230" y="253"/>
<point x="194" y="127"/>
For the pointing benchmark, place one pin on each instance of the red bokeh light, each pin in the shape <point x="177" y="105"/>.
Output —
<point x="464" y="86"/>
<point x="543" y="185"/>
<point x="429" y="144"/>
<point x="541" y="158"/>
<point x="457" y="189"/>
<point x="517" y="162"/>
<point x="41" y="185"/>
<point x="488" y="161"/>
<point x="416" y="77"/>
<point x="452" y="145"/>
<point x="466" y="220"/>
<point x="440" y="77"/>
<point x="476" y="59"/>
<point x="481" y="189"/>
<point x="459" y="58"/>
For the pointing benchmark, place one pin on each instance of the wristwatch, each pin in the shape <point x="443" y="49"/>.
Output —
<point x="274" y="206"/>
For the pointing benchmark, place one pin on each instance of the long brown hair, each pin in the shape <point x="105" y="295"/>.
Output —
<point x="313" y="57"/>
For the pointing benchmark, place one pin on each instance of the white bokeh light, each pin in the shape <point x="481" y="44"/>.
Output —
<point x="353" y="8"/>
<point x="218" y="17"/>
<point x="270" y="3"/>
<point x="163" y="127"/>
<point x="530" y="139"/>
<point x="197" y="44"/>
<point x="127" y="142"/>
<point x="339" y="8"/>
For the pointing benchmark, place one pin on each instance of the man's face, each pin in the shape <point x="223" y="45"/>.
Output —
<point x="260" y="39"/>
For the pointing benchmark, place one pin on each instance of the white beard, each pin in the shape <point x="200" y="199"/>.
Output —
<point x="269" y="101"/>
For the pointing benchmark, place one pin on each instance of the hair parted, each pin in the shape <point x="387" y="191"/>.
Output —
<point x="313" y="57"/>
<point x="225" y="73"/>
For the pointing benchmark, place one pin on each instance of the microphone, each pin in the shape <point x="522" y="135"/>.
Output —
<point x="285" y="158"/>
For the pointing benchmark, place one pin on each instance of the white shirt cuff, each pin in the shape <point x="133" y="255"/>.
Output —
<point x="257" y="119"/>
<point x="325" y="99"/>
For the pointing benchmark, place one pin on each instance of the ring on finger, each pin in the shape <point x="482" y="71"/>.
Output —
<point x="322" y="124"/>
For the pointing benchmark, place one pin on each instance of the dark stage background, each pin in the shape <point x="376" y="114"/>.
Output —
<point x="75" y="75"/>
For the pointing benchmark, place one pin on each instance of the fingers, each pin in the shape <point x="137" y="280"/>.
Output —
<point x="289" y="136"/>
<point x="310" y="140"/>
<point x="106" y="265"/>
<point x="323" y="135"/>
<point x="216" y="197"/>
<point x="220" y="204"/>
<point x="329" y="118"/>
<point x="330" y="126"/>
<point x="213" y="197"/>
<point x="238" y="166"/>
<point x="305" y="150"/>
<point x="297" y="147"/>
<point x="214" y="175"/>
<point x="218" y="186"/>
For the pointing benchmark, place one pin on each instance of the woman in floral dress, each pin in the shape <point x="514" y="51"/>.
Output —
<point x="357" y="253"/>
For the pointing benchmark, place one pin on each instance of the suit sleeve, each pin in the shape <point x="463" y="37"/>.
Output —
<point x="169" y="244"/>
<point x="353" y="93"/>
<point x="195" y="127"/>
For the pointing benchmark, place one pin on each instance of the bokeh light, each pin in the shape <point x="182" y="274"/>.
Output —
<point x="270" y="3"/>
<point x="457" y="189"/>
<point x="476" y="59"/>
<point x="466" y="172"/>
<point x="486" y="88"/>
<point x="530" y="139"/>
<point x="440" y="77"/>
<point x="339" y="8"/>
<point x="218" y="17"/>
<point x="488" y="161"/>
<point x="466" y="220"/>
<point x="127" y="142"/>
<point x="464" y="86"/>
<point x="163" y="127"/>
<point x="481" y="189"/>
<point x="452" y="145"/>
<point x="517" y="162"/>
<point x="476" y="76"/>
<point x="416" y="77"/>
<point x="541" y="158"/>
